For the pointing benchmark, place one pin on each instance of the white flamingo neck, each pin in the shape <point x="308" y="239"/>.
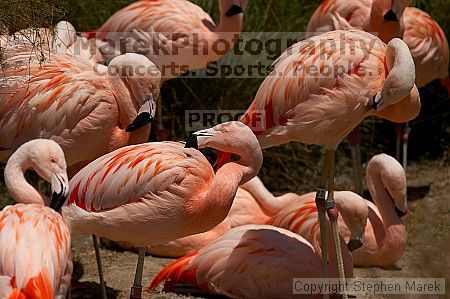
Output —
<point x="18" y="186"/>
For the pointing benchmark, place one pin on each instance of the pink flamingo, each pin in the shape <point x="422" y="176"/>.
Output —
<point x="250" y="261"/>
<point x="157" y="192"/>
<point x="35" y="256"/>
<point x="175" y="34"/>
<point x="385" y="233"/>
<point x="88" y="110"/>
<point x="429" y="48"/>
<point x="308" y="99"/>
<point x="253" y="204"/>
<point x="383" y="17"/>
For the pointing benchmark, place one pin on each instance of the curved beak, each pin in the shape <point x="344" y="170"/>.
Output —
<point x="391" y="16"/>
<point x="202" y="136"/>
<point x="354" y="245"/>
<point x="399" y="212"/>
<point x="145" y="115"/>
<point x="60" y="190"/>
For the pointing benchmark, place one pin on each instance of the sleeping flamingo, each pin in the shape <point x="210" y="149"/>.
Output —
<point x="157" y="192"/>
<point x="323" y="87"/>
<point x="177" y="35"/>
<point x="88" y="109"/>
<point x="385" y="234"/>
<point x="250" y="261"/>
<point x="44" y="271"/>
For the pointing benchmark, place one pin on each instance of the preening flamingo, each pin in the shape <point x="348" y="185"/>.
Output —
<point x="35" y="256"/>
<point x="88" y="109"/>
<point x="177" y="35"/>
<point x="250" y="261"/>
<point x="383" y="18"/>
<point x="322" y="88"/>
<point x="157" y="192"/>
<point x="385" y="234"/>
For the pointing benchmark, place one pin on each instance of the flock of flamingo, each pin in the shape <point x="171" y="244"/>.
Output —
<point x="232" y="236"/>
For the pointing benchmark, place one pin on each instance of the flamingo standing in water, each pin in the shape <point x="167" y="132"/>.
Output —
<point x="177" y="35"/>
<point x="381" y="17"/>
<point x="157" y="192"/>
<point x="250" y="261"/>
<point x="385" y="234"/>
<point x="88" y="109"/>
<point x="322" y="88"/>
<point x="35" y="256"/>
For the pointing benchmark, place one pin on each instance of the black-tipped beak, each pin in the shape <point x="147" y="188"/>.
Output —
<point x="390" y="16"/>
<point x="140" y="121"/>
<point x="400" y="213"/>
<point x="354" y="245"/>
<point x="234" y="10"/>
<point x="374" y="104"/>
<point x="57" y="201"/>
<point x="192" y="142"/>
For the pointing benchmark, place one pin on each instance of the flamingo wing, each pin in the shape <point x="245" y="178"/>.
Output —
<point x="428" y="45"/>
<point x="314" y="83"/>
<point x="145" y="172"/>
<point x="51" y="101"/>
<point x="35" y="257"/>
<point x="246" y="262"/>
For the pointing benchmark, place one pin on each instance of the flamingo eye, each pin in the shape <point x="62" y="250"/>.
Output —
<point x="53" y="160"/>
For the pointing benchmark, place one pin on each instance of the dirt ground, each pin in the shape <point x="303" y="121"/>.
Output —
<point x="426" y="254"/>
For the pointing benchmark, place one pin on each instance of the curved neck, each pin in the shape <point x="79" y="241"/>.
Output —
<point x="125" y="103"/>
<point x="383" y="201"/>
<point x="269" y="203"/>
<point x="386" y="30"/>
<point x="17" y="185"/>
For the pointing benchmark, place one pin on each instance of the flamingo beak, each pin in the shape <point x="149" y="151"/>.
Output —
<point x="60" y="190"/>
<point x="391" y="16"/>
<point x="354" y="245"/>
<point x="235" y="9"/>
<point x="145" y="115"/>
<point x="400" y="213"/>
<point x="193" y="140"/>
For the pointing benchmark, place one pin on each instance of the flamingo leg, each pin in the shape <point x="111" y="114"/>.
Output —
<point x="321" y="209"/>
<point x="398" y="140"/>
<point x="99" y="267"/>
<point x="405" y="137"/>
<point x="355" y="146"/>
<point x="332" y="213"/>
<point x="136" y="289"/>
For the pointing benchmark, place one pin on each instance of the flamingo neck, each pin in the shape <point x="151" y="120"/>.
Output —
<point x="18" y="186"/>
<point x="269" y="203"/>
<point x="229" y="27"/>
<point x="125" y="101"/>
<point x="386" y="30"/>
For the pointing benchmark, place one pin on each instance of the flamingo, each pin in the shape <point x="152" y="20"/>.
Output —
<point x="39" y="44"/>
<point x="253" y="204"/>
<point x="382" y="17"/>
<point x="88" y="110"/>
<point x="177" y="35"/>
<point x="429" y="48"/>
<point x="157" y="192"/>
<point x="35" y="256"/>
<point x="250" y="261"/>
<point x="323" y="87"/>
<point x="385" y="234"/>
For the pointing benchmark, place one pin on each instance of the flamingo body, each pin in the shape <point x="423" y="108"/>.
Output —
<point x="35" y="256"/>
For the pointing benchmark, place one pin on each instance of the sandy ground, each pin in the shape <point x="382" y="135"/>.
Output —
<point x="426" y="254"/>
